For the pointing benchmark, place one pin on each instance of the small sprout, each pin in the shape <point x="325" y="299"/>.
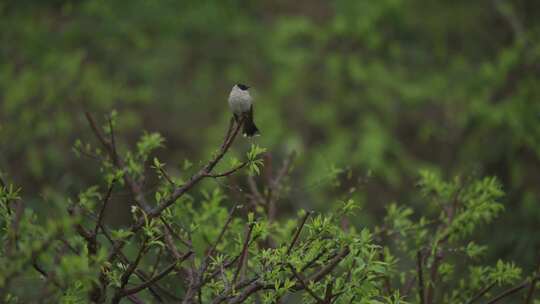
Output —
<point x="254" y="162"/>
<point x="120" y="234"/>
<point x="187" y="164"/>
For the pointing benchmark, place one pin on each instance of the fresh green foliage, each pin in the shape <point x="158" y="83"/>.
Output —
<point x="234" y="251"/>
<point x="366" y="93"/>
<point x="254" y="161"/>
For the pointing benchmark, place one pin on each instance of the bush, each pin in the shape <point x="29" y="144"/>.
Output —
<point x="214" y="248"/>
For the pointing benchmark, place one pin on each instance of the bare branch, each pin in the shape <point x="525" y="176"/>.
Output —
<point x="113" y="141"/>
<point x="437" y="258"/>
<point x="102" y="210"/>
<point x="173" y="233"/>
<point x="243" y="255"/>
<point x="19" y="211"/>
<point x="143" y="276"/>
<point x="97" y="132"/>
<point x="482" y="292"/>
<point x="254" y="190"/>
<point x="419" y="271"/>
<point x="156" y="278"/>
<point x="251" y="289"/>
<point x="276" y="185"/>
<point x="254" y="285"/>
<point x="167" y="177"/>
<point x="47" y="276"/>
<point x="408" y="286"/>
<point x="132" y="266"/>
<point x="178" y="192"/>
<point x="134" y="187"/>
<point x="128" y="272"/>
<point x="304" y="285"/>
<point x="297" y="232"/>
<point x="512" y="290"/>
<point x="228" y="172"/>
<point x="330" y="266"/>
<point x="204" y="172"/>
<point x="328" y="295"/>
<point x="530" y="292"/>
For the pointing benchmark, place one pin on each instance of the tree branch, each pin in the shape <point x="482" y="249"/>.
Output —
<point x="530" y="292"/>
<point x="297" y="232"/>
<point x="512" y="290"/>
<point x="243" y="255"/>
<point x="330" y="266"/>
<point x="102" y="210"/>
<point x="420" y="276"/>
<point x="304" y="285"/>
<point x="179" y="191"/>
<point x="482" y="292"/>
<point x="228" y="172"/>
<point x="156" y="278"/>
<point x="110" y="147"/>
<point x="204" y="172"/>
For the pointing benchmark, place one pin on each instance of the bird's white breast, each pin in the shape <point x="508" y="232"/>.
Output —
<point x="239" y="101"/>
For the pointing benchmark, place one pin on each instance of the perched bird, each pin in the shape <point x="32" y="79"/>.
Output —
<point x="241" y="103"/>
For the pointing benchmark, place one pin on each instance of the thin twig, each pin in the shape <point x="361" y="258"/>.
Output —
<point x="173" y="233"/>
<point x="197" y="277"/>
<point x="156" y="263"/>
<point x="222" y="232"/>
<point x="328" y="295"/>
<point x="46" y="275"/>
<point x="134" y="187"/>
<point x="329" y="266"/>
<point x="437" y="258"/>
<point x="134" y="299"/>
<point x="408" y="286"/>
<point x="228" y="172"/>
<point x="102" y="210"/>
<point x="97" y="132"/>
<point x="254" y="190"/>
<point x="420" y="276"/>
<point x="482" y="292"/>
<point x="257" y="285"/>
<point x="132" y="266"/>
<point x="178" y="192"/>
<point x="169" y="243"/>
<point x="304" y="284"/>
<point x="151" y="281"/>
<point x="12" y="243"/>
<point x="243" y="255"/>
<point x="314" y="260"/>
<point x="143" y="276"/>
<point x="511" y="291"/>
<point x="128" y="272"/>
<point x="167" y="177"/>
<point x="297" y="232"/>
<point x="113" y="142"/>
<point x="530" y="292"/>
<point x="199" y="175"/>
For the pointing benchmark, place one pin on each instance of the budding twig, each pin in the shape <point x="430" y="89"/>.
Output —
<point x="419" y="270"/>
<point x="297" y="232"/>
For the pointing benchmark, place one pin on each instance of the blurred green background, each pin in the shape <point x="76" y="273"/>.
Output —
<point x="375" y="90"/>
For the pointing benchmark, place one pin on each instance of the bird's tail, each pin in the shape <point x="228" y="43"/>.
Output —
<point x="250" y="129"/>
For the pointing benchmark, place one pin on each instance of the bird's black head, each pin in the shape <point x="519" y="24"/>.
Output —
<point x="242" y="87"/>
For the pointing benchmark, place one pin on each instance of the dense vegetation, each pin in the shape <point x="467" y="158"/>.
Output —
<point x="399" y="159"/>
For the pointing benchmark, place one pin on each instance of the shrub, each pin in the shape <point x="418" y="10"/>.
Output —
<point x="216" y="249"/>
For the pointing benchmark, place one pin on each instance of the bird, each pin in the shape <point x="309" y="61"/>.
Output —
<point x="241" y="104"/>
